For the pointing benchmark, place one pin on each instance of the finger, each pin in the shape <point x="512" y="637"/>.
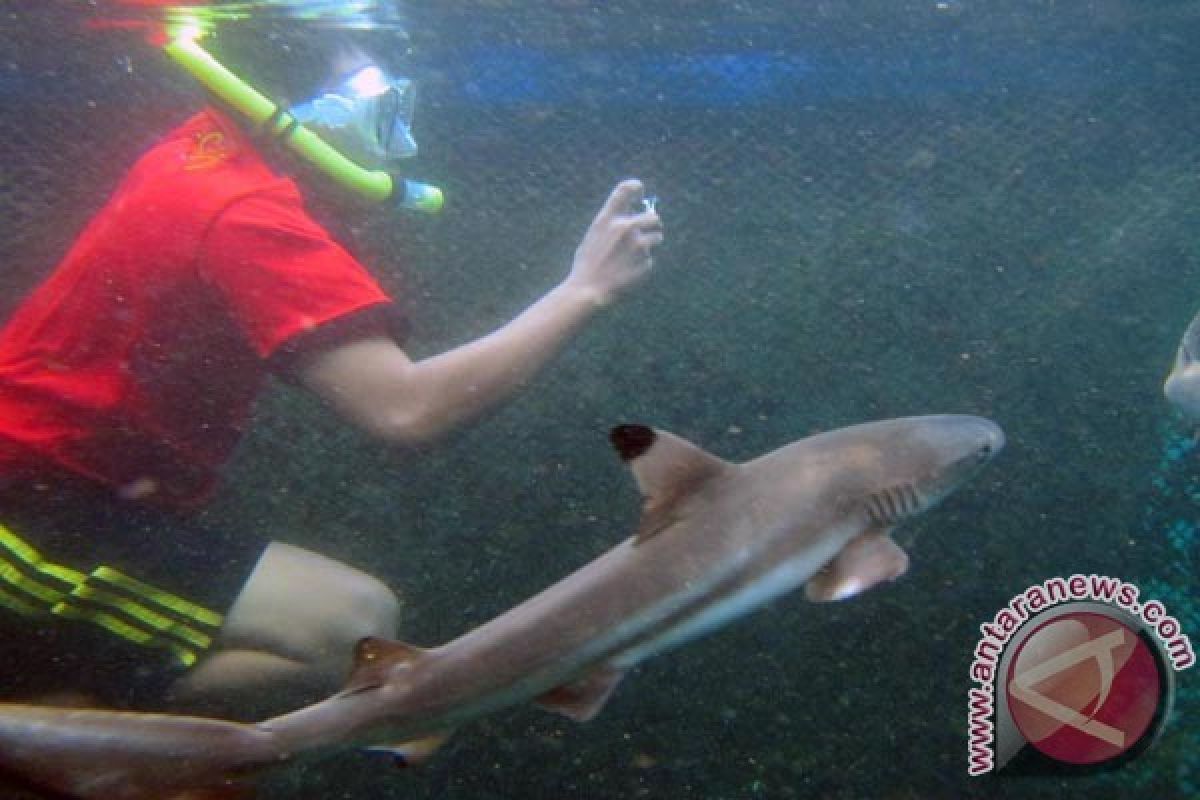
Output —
<point x="622" y="198"/>
<point x="649" y="239"/>
<point x="647" y="220"/>
<point x="652" y="234"/>
<point x="653" y="226"/>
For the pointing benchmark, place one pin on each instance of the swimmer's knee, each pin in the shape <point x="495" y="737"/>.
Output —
<point x="354" y="604"/>
<point x="309" y="607"/>
<point x="368" y="607"/>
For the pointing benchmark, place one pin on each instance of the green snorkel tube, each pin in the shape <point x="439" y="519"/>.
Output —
<point x="375" y="185"/>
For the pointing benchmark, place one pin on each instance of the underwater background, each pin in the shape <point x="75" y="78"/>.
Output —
<point x="872" y="209"/>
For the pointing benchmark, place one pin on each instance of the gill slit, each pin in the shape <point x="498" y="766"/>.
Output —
<point x="892" y="504"/>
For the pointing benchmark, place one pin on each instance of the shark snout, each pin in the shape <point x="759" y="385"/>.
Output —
<point x="991" y="438"/>
<point x="974" y="443"/>
<point x="959" y="446"/>
<point x="961" y="438"/>
<point x="1182" y="389"/>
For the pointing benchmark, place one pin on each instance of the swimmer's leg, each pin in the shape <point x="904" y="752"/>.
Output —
<point x="289" y="637"/>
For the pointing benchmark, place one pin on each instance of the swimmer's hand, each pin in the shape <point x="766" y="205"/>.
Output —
<point x="615" y="253"/>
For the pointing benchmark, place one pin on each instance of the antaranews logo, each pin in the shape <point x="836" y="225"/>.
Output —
<point x="1074" y="672"/>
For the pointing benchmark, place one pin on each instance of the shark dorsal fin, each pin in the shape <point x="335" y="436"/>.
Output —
<point x="668" y="470"/>
<point x="374" y="660"/>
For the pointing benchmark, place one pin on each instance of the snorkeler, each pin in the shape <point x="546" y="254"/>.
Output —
<point x="128" y="377"/>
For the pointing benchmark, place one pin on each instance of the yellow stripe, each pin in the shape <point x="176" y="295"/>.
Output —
<point x="21" y="549"/>
<point x="18" y="546"/>
<point x="149" y="618"/>
<point x="103" y="619"/>
<point x="14" y="603"/>
<point x="64" y="574"/>
<point x="59" y="603"/>
<point x="124" y="630"/>
<point x="15" y="578"/>
<point x="180" y="606"/>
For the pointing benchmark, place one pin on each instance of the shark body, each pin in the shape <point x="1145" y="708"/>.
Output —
<point x="1182" y="386"/>
<point x="716" y="540"/>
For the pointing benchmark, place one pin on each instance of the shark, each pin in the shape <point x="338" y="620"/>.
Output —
<point x="715" y="540"/>
<point x="1182" y="387"/>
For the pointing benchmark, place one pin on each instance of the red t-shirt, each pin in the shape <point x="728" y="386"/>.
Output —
<point x="137" y="362"/>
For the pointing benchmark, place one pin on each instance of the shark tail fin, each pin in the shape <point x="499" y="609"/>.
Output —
<point x="20" y="789"/>
<point x="668" y="470"/>
<point x="93" y="754"/>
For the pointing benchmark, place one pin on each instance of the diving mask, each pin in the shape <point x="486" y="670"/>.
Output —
<point x="368" y="117"/>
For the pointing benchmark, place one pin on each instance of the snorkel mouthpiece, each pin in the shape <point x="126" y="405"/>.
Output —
<point x="420" y="196"/>
<point x="375" y="185"/>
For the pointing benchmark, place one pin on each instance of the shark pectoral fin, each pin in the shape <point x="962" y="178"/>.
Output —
<point x="414" y="752"/>
<point x="375" y="659"/>
<point x="867" y="560"/>
<point x="668" y="470"/>
<point x="582" y="700"/>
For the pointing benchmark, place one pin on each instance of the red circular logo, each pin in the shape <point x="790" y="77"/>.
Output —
<point x="1083" y="688"/>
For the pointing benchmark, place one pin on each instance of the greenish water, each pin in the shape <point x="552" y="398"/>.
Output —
<point x="872" y="210"/>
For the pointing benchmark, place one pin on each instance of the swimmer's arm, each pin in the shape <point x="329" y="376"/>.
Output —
<point x="373" y="383"/>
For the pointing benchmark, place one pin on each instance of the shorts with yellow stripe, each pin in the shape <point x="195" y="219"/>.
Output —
<point x="104" y="596"/>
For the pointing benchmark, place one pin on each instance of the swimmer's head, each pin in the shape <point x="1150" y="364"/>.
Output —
<point x="335" y="83"/>
<point x="366" y="113"/>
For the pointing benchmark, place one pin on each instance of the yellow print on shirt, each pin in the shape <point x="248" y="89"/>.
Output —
<point x="208" y="150"/>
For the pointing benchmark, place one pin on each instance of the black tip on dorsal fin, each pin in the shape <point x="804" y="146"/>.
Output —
<point x="669" y="471"/>
<point x="631" y="441"/>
